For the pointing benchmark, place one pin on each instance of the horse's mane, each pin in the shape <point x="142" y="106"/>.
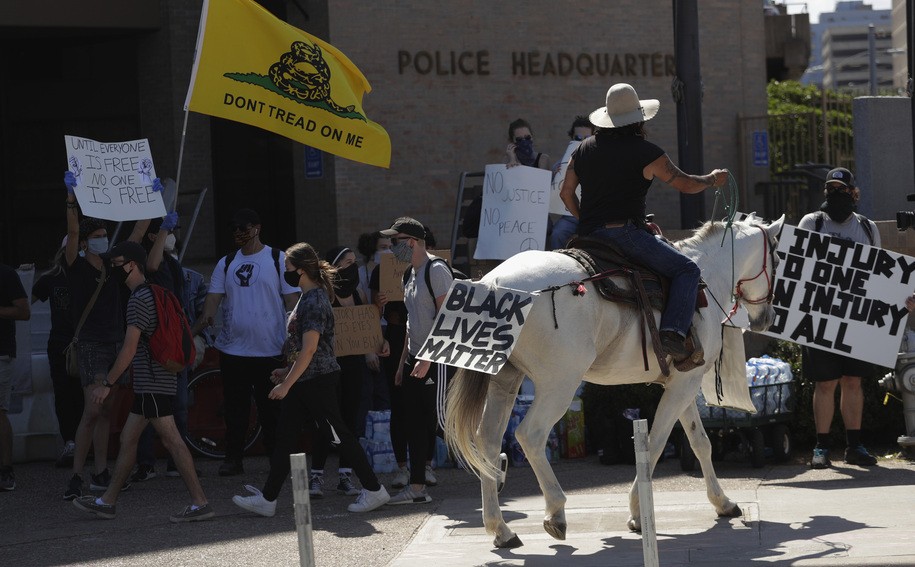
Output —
<point x="710" y="229"/>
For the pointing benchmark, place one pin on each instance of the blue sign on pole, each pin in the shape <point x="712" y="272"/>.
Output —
<point x="314" y="163"/>
<point x="761" y="148"/>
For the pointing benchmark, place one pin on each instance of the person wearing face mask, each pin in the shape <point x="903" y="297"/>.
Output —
<point x="564" y="226"/>
<point x="249" y="285"/>
<point x="98" y="337"/>
<point x="837" y="218"/>
<point x="520" y="150"/>
<point x="370" y="246"/>
<point x="418" y="379"/>
<point x="353" y="383"/>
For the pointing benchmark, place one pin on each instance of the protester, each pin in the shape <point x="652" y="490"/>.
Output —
<point x="615" y="168"/>
<point x="353" y="383"/>
<point x="564" y="226"/>
<point x="68" y="395"/>
<point x="418" y="378"/>
<point x="14" y="306"/>
<point x="254" y="298"/>
<point x="828" y="370"/>
<point x="154" y="391"/>
<point x="370" y="246"/>
<point x="98" y="336"/>
<point x="520" y="150"/>
<point x="308" y="385"/>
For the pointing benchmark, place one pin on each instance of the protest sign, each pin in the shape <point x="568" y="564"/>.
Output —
<point x="557" y="207"/>
<point x="114" y="180"/>
<point x="477" y="326"/>
<point x="841" y="296"/>
<point x="390" y="276"/>
<point x="516" y="201"/>
<point x="357" y="330"/>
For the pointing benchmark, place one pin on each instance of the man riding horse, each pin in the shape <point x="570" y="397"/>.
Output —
<point x="615" y="168"/>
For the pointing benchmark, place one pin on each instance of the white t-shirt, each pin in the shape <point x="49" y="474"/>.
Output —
<point x="253" y="312"/>
<point x="851" y="229"/>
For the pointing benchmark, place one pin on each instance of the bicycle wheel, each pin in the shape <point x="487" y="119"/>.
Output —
<point x="206" y="426"/>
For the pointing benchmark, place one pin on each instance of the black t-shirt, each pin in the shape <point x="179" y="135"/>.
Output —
<point x="613" y="188"/>
<point x="105" y="322"/>
<point x="10" y="290"/>
<point x="53" y="286"/>
<point x="166" y="277"/>
<point x="395" y="312"/>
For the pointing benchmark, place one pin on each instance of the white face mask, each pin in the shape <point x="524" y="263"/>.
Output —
<point x="170" y="241"/>
<point x="97" y="245"/>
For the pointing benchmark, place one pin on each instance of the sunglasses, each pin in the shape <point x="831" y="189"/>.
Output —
<point x="522" y="138"/>
<point x="835" y="187"/>
<point x="396" y="239"/>
<point x="239" y="227"/>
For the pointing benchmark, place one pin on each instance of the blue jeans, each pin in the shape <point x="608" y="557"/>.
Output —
<point x="563" y="229"/>
<point x="650" y="251"/>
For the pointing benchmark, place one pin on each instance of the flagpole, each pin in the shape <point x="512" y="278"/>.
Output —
<point x="180" y="160"/>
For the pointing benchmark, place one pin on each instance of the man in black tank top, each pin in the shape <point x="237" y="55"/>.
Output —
<point x="615" y="168"/>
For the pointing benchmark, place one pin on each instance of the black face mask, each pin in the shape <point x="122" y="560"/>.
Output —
<point x="292" y="278"/>
<point x="347" y="280"/>
<point x="120" y="275"/>
<point x="839" y="206"/>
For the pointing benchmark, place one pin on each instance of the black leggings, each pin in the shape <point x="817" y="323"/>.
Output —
<point x="242" y="376"/>
<point x="396" y="335"/>
<point x="349" y="394"/>
<point x="317" y="398"/>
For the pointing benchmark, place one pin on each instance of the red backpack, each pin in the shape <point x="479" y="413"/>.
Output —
<point x="171" y="343"/>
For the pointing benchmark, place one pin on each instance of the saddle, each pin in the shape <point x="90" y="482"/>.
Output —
<point x="649" y="290"/>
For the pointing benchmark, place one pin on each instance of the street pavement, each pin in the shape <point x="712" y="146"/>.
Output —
<point x="843" y="516"/>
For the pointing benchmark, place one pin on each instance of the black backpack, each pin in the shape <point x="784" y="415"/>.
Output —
<point x="865" y="224"/>
<point x="456" y="274"/>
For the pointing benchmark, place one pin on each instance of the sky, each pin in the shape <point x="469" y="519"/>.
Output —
<point x="814" y="7"/>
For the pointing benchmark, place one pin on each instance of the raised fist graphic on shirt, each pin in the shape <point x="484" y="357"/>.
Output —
<point x="244" y="273"/>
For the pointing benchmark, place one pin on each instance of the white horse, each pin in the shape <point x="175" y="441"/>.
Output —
<point x="584" y="337"/>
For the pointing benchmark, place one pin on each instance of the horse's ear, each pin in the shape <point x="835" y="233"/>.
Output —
<point x="775" y="228"/>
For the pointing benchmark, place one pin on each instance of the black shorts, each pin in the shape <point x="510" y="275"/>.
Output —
<point x="152" y="406"/>
<point x="823" y="366"/>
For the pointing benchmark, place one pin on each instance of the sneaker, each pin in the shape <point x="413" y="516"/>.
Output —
<point x="430" y="476"/>
<point x="346" y="486"/>
<point x="820" y="459"/>
<point x="402" y="478"/>
<point x="859" y="456"/>
<point x="316" y="486"/>
<point x="74" y="488"/>
<point x="231" y="468"/>
<point x="368" y="500"/>
<point x="101" y="481"/>
<point x="172" y="471"/>
<point x="143" y="473"/>
<point x="674" y="344"/>
<point x="407" y="496"/>
<point x="88" y="504"/>
<point x="7" y="480"/>
<point x="65" y="460"/>
<point x="256" y="502"/>
<point x="191" y="514"/>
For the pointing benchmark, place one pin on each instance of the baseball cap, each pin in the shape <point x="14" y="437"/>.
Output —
<point x="244" y="217"/>
<point x="408" y="226"/>
<point x="130" y="250"/>
<point x="840" y="175"/>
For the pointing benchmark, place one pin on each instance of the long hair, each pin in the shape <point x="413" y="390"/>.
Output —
<point x="304" y="257"/>
<point x="637" y="129"/>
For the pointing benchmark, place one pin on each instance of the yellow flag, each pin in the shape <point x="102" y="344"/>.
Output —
<point x="253" y="68"/>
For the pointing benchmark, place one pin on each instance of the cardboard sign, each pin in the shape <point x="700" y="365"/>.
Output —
<point x="357" y="330"/>
<point x="477" y="327"/>
<point x="841" y="296"/>
<point x="516" y="201"/>
<point x="556" y="205"/>
<point x="114" y="180"/>
<point x="390" y="276"/>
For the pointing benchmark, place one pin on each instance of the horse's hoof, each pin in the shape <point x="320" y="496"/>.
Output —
<point x="633" y="526"/>
<point x="514" y="542"/>
<point x="734" y="512"/>
<point x="557" y="530"/>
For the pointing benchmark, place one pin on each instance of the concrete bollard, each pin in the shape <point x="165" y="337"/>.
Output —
<point x="646" y="498"/>
<point x="302" y="507"/>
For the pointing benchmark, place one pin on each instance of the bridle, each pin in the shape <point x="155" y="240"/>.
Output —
<point x="768" y="253"/>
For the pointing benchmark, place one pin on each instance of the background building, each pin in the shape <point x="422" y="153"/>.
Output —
<point x="447" y="79"/>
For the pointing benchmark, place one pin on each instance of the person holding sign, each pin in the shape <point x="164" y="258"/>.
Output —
<point x="520" y="150"/>
<point x="353" y="374"/>
<point x="615" y="168"/>
<point x="308" y="386"/>
<point x="837" y="218"/>
<point x="418" y="378"/>
<point x="564" y="226"/>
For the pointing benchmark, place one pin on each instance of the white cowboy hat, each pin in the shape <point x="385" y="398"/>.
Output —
<point x="623" y="108"/>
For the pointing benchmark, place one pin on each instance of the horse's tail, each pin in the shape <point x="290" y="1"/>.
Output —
<point x="463" y="412"/>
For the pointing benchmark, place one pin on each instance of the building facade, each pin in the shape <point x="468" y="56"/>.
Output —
<point x="447" y="80"/>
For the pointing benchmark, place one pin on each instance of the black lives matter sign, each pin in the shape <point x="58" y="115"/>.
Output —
<point x="841" y="296"/>
<point x="477" y="326"/>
